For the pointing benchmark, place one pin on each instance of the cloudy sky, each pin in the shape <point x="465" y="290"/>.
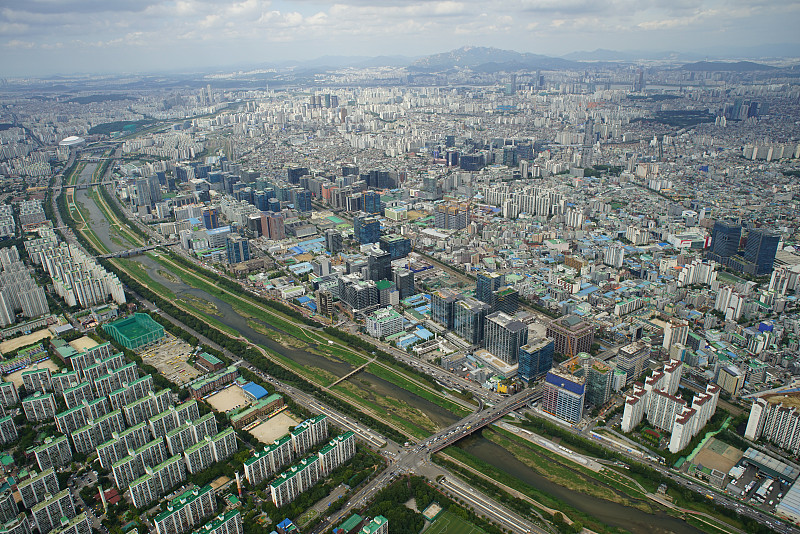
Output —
<point x="40" y="37"/>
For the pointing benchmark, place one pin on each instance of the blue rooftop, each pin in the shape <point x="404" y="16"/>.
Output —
<point x="254" y="390"/>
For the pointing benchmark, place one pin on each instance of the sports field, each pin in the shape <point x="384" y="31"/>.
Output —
<point x="448" y="523"/>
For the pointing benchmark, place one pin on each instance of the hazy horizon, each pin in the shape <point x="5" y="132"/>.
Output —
<point x="49" y="37"/>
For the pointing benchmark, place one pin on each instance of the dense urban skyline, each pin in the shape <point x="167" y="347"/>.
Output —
<point x="42" y="37"/>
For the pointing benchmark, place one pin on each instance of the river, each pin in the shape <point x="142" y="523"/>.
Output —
<point x="613" y="514"/>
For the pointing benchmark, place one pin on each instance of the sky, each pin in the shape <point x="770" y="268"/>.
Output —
<point x="46" y="37"/>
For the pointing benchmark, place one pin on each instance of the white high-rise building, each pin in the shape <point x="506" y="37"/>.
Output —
<point x="675" y="331"/>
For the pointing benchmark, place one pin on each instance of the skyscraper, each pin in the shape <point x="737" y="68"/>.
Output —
<point x="210" y="218"/>
<point x="333" y="241"/>
<point x="725" y="239"/>
<point x="379" y="264"/>
<point x="274" y="227"/>
<point x="303" y="201"/>
<point x="366" y="229"/>
<point x="371" y="201"/>
<point x="504" y="336"/>
<point x="469" y="319"/>
<point x="443" y="307"/>
<point x="564" y="394"/>
<point x="571" y="335"/>
<point x="238" y="249"/>
<point x="760" y="250"/>
<point x="404" y="282"/>
<point x="535" y="358"/>
<point x="488" y="283"/>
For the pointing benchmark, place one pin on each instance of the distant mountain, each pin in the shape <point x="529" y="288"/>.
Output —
<point x="727" y="66"/>
<point x="491" y="60"/>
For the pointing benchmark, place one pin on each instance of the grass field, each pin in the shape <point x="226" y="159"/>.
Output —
<point x="448" y="523"/>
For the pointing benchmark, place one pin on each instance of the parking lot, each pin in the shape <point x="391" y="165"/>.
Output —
<point x="749" y="484"/>
<point x="169" y="357"/>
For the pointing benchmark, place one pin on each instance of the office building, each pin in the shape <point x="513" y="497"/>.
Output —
<point x="238" y="249"/>
<point x="730" y="378"/>
<point x="186" y="511"/>
<point x="487" y="284"/>
<point x="599" y="382"/>
<point x="34" y="489"/>
<point x="384" y="323"/>
<point x="302" y="201"/>
<point x="504" y="336"/>
<point x="563" y="395"/>
<point x="505" y="299"/>
<point x="210" y="218"/>
<point x="228" y="523"/>
<point x="48" y="513"/>
<point x="379" y="265"/>
<point x="333" y="241"/>
<point x="272" y="225"/>
<point x="760" y="250"/>
<point x="443" y="305"/>
<point x="396" y="245"/>
<point x="371" y="202"/>
<point x="469" y="320"/>
<point x="325" y="303"/>
<point x="631" y="359"/>
<point x="360" y="295"/>
<point x="725" y="238"/>
<point x="404" y="282"/>
<point x="366" y="229"/>
<point x="295" y="172"/>
<point x="571" y="335"/>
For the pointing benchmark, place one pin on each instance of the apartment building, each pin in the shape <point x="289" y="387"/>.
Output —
<point x="186" y="511"/>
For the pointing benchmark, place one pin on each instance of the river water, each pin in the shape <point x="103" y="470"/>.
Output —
<point x="613" y="514"/>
